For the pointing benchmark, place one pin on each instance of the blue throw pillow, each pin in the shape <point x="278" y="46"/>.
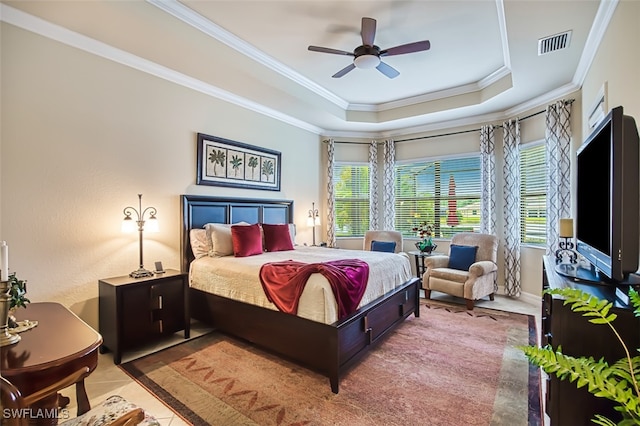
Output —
<point x="462" y="257"/>
<point x="386" y="246"/>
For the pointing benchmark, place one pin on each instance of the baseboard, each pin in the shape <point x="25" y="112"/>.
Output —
<point x="529" y="298"/>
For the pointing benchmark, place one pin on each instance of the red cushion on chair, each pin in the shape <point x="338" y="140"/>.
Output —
<point x="277" y="237"/>
<point x="247" y="240"/>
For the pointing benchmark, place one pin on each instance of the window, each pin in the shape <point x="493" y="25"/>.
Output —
<point x="533" y="194"/>
<point x="442" y="192"/>
<point x="351" y="191"/>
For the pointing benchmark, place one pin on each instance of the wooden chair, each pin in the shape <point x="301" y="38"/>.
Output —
<point x="114" y="411"/>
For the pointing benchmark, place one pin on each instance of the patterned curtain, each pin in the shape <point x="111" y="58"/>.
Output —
<point x="331" y="210"/>
<point x="373" y="185"/>
<point x="488" y="180"/>
<point x="511" y="172"/>
<point x="389" y="201"/>
<point x="558" y="147"/>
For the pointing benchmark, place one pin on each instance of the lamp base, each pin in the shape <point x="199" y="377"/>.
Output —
<point x="7" y="338"/>
<point x="141" y="273"/>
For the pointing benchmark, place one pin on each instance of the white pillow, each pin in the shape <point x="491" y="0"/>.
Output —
<point x="292" y="232"/>
<point x="200" y="242"/>
<point x="220" y="235"/>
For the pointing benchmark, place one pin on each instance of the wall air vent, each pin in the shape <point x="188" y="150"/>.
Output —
<point x="554" y="42"/>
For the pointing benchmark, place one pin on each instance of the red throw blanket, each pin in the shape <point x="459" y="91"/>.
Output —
<point x="283" y="282"/>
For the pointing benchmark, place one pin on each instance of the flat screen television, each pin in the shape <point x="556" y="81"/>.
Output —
<point x="608" y="193"/>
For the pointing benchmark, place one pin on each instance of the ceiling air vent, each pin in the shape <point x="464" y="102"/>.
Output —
<point x="554" y="42"/>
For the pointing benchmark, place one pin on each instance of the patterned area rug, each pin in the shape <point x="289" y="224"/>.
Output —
<point x="448" y="367"/>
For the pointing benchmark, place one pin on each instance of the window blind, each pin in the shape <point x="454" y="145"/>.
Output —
<point x="351" y="191"/>
<point x="533" y="193"/>
<point x="444" y="193"/>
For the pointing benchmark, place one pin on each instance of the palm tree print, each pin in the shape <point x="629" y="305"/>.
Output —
<point x="217" y="156"/>
<point x="267" y="169"/>
<point x="253" y="163"/>
<point x="236" y="162"/>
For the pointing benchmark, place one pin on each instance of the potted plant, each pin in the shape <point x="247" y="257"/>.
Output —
<point x="17" y="293"/>
<point x="425" y="232"/>
<point x="617" y="382"/>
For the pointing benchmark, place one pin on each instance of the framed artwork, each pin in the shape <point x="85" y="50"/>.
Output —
<point x="222" y="162"/>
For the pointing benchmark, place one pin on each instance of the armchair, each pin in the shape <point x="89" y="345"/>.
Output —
<point x="466" y="272"/>
<point x="382" y="237"/>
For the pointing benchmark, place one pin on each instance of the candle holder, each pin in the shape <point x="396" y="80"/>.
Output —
<point x="565" y="248"/>
<point x="6" y="338"/>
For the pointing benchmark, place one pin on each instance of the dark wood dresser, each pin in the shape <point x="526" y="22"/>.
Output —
<point x="565" y="404"/>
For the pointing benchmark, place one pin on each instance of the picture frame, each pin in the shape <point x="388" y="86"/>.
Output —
<point x="223" y="162"/>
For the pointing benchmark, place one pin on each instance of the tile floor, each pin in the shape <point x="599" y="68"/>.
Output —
<point x="108" y="379"/>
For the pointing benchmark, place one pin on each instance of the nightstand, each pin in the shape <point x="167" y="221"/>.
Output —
<point x="135" y="311"/>
<point x="419" y="257"/>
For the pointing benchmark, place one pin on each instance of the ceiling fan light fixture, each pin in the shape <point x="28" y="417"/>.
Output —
<point x="366" y="61"/>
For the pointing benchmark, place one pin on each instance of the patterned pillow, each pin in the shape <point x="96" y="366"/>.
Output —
<point x="110" y="410"/>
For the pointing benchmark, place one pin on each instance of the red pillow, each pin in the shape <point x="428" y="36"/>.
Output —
<point x="277" y="237"/>
<point x="246" y="239"/>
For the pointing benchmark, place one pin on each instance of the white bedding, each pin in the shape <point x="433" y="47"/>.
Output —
<point x="238" y="278"/>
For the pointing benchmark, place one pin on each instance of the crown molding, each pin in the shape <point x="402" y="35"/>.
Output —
<point x="199" y="22"/>
<point x="598" y="29"/>
<point x="60" y="34"/>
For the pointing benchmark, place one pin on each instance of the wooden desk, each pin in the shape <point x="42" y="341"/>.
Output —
<point x="61" y="344"/>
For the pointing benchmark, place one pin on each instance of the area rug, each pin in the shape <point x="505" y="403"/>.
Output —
<point x="447" y="367"/>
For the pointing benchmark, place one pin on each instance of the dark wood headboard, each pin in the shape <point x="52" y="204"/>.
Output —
<point x="198" y="210"/>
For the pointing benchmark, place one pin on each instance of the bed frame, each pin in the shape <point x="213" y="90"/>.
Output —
<point x="328" y="349"/>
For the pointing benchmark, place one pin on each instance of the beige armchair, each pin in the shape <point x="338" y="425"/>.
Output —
<point x="463" y="273"/>
<point x="383" y="236"/>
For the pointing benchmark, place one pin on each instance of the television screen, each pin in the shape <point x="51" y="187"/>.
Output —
<point x="594" y="192"/>
<point x="607" y="197"/>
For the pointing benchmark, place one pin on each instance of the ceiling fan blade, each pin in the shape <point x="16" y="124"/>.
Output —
<point x="368" y="31"/>
<point x="343" y="71"/>
<point x="387" y="70"/>
<point x="328" y="50"/>
<point x="417" y="46"/>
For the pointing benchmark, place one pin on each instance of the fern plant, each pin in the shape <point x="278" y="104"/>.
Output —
<point x="617" y="382"/>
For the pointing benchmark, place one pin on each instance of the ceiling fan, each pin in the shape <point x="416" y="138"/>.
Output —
<point x="368" y="54"/>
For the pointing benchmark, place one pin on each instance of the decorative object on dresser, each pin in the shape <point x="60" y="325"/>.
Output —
<point x="565" y="245"/>
<point x="11" y="295"/>
<point x="128" y="225"/>
<point x="313" y="220"/>
<point x="327" y="345"/>
<point x="566" y="404"/>
<point x="223" y="162"/>
<point x="469" y="271"/>
<point x="137" y="311"/>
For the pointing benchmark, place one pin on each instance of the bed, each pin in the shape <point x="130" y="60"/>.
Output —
<point x="324" y="344"/>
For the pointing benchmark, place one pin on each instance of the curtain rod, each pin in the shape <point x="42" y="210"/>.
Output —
<point x="568" y="102"/>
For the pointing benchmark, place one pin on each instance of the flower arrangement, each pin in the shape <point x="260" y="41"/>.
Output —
<point x="425" y="231"/>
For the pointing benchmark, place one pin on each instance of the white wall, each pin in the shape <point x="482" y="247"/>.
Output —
<point x="617" y="65"/>
<point x="82" y="136"/>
